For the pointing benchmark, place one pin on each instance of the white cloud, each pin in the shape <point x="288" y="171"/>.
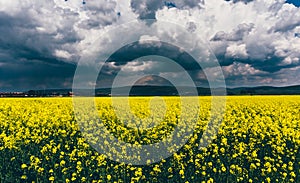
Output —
<point x="237" y="51"/>
<point x="240" y="69"/>
<point x="288" y="17"/>
<point x="62" y="54"/>
<point x="149" y="39"/>
<point x="254" y="25"/>
<point x="136" y="66"/>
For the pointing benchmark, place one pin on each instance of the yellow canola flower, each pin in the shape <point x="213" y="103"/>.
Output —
<point x="23" y="166"/>
<point x="257" y="141"/>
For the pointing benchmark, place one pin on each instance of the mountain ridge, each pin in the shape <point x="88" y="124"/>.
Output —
<point x="156" y="90"/>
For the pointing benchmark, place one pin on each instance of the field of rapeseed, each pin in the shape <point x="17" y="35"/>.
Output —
<point x="258" y="141"/>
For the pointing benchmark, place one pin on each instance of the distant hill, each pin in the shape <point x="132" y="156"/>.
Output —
<point x="149" y="90"/>
<point x="265" y="90"/>
<point x="158" y="91"/>
<point x="172" y="91"/>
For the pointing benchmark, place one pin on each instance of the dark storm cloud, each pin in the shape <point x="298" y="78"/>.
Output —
<point x="29" y="55"/>
<point x="128" y="59"/>
<point x="20" y="39"/>
<point x="136" y="50"/>
<point x="40" y="45"/>
<point x="35" y="75"/>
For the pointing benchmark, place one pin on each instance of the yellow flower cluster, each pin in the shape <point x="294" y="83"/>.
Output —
<point x="258" y="141"/>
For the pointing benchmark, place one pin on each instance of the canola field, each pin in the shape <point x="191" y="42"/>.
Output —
<point x="258" y="141"/>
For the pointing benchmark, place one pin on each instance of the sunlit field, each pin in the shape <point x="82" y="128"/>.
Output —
<point x="258" y="141"/>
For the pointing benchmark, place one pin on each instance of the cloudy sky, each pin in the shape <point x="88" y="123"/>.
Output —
<point x="256" y="42"/>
